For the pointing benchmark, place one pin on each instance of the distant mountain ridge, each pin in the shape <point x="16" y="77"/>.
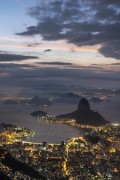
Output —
<point x="36" y="100"/>
<point x="40" y="101"/>
<point x="70" y="97"/>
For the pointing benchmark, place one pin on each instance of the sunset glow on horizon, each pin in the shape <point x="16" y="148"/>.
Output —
<point x="56" y="36"/>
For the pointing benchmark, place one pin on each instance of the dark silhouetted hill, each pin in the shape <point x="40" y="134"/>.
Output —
<point x="83" y="106"/>
<point x="39" y="113"/>
<point x="40" y="101"/>
<point x="84" y="115"/>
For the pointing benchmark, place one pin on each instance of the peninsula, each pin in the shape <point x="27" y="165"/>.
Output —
<point x="83" y="115"/>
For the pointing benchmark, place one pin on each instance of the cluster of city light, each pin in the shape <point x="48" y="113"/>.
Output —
<point x="73" y="123"/>
<point x="75" y="144"/>
<point x="64" y="165"/>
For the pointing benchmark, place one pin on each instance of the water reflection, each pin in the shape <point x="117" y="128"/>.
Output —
<point x="45" y="131"/>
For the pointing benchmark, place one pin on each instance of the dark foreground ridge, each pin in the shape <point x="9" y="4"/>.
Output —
<point x="12" y="163"/>
<point x="84" y="115"/>
<point x="4" y="177"/>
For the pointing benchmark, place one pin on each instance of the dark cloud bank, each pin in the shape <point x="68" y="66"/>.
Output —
<point x="14" y="66"/>
<point x="47" y="50"/>
<point x="14" y="57"/>
<point x="82" y="22"/>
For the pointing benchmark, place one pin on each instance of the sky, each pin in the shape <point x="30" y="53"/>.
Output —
<point x="43" y="38"/>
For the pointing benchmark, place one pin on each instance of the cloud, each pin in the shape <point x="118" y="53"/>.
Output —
<point x="80" y="22"/>
<point x="115" y="64"/>
<point x="2" y="51"/>
<point x="47" y="50"/>
<point x="34" y="44"/>
<point x="78" y="74"/>
<point x="14" y="66"/>
<point x="56" y="63"/>
<point x="111" y="49"/>
<point x="34" y="79"/>
<point x="15" y="57"/>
